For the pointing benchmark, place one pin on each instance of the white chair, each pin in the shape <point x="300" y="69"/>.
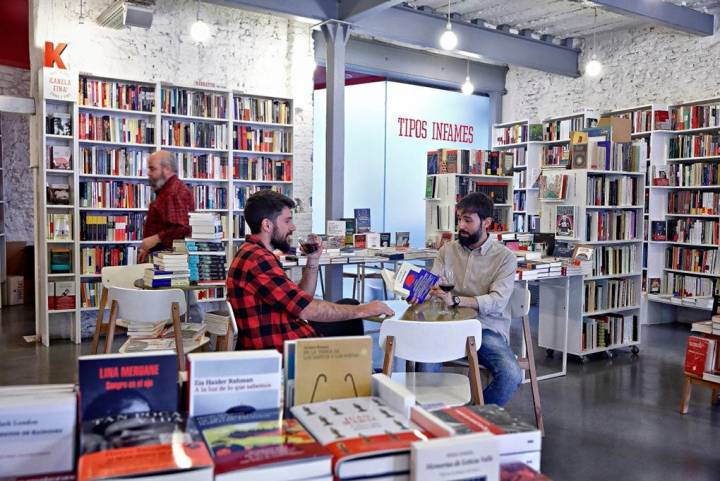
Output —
<point x="114" y="276"/>
<point x="147" y="306"/>
<point x="435" y="342"/>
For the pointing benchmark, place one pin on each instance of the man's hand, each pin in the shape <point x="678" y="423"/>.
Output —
<point x="147" y="244"/>
<point x="377" y="308"/>
<point x="313" y="258"/>
<point x="446" y="297"/>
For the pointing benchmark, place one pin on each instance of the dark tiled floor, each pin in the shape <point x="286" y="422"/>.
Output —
<point x="606" y="420"/>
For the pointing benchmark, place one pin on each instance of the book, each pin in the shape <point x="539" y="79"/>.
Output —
<point x="130" y="423"/>
<point x="366" y="436"/>
<point x="58" y="123"/>
<point x="362" y="220"/>
<point x="553" y="185"/>
<point x="411" y="282"/>
<point x="233" y="382"/>
<point x="578" y="155"/>
<point x="699" y="355"/>
<point x="565" y="216"/>
<point x="385" y="239"/>
<point x="660" y="175"/>
<point x="64" y="295"/>
<point x="331" y="368"/>
<point x="60" y="157"/>
<point x="520" y="472"/>
<point x="349" y="231"/>
<point x="360" y="241"/>
<point x="536" y="132"/>
<point x="659" y="230"/>
<point x="58" y="194"/>
<point x="654" y="284"/>
<point x="402" y="239"/>
<point x="262" y="446"/>
<point x="462" y="458"/>
<point x="37" y="429"/>
<point x="373" y="240"/>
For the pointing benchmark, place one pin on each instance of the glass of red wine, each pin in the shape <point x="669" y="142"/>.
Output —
<point x="309" y="243"/>
<point x="447" y="281"/>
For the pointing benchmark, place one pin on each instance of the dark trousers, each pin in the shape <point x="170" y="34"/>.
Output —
<point x="353" y="327"/>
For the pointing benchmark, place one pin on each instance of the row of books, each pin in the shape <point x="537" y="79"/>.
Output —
<point x="114" y="161"/>
<point x="90" y="292"/>
<point x="607" y="155"/>
<point x="209" y="196"/>
<point x="556" y="155"/>
<point x="180" y="133"/>
<point x="211" y="293"/>
<point x="612" y="226"/>
<point x="253" y="109"/>
<point x="526" y="223"/>
<point x="93" y="259"/>
<point x="262" y="140"/>
<point x="693" y="231"/>
<point x="615" y="260"/>
<point x="58" y="123"/>
<point x="98" y="227"/>
<point x="681" y="285"/>
<point x="497" y="191"/>
<point x="110" y="128"/>
<point x="59" y="227"/>
<point x="262" y="169"/>
<point x="700" y="145"/>
<point x="614" y="191"/>
<point x="608" y="331"/>
<point x="195" y="103"/>
<point x="519" y="156"/>
<point x="560" y="129"/>
<point x="242" y="192"/>
<point x="116" y="95"/>
<point x="640" y="120"/>
<point x="520" y="179"/>
<point x="114" y="194"/>
<point x="464" y="161"/>
<point x="610" y="294"/>
<point x="693" y="202"/>
<point x="706" y="261"/>
<point x="61" y="295"/>
<point x="515" y="134"/>
<point x="202" y="166"/>
<point x="519" y="200"/>
<point x="686" y="175"/>
<point x="695" y="116"/>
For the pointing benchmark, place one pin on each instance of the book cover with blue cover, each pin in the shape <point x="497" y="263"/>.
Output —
<point x="112" y="384"/>
<point x="362" y="221"/>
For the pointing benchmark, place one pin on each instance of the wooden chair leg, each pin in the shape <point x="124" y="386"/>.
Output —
<point x="527" y="335"/>
<point x="476" y="394"/>
<point x="389" y="355"/>
<point x="685" y="400"/>
<point x="175" y="313"/>
<point x="112" y="321"/>
<point x="99" y="324"/>
<point x="322" y="283"/>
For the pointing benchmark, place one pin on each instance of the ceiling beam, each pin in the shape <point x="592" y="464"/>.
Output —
<point x="664" y="13"/>
<point x="312" y="9"/>
<point x="354" y="10"/>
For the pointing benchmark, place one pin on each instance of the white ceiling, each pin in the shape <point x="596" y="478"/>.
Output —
<point x="559" y="18"/>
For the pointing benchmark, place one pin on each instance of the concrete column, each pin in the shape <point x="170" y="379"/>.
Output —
<point x="495" y="114"/>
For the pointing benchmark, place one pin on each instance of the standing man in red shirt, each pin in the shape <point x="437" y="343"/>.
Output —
<point x="167" y="218"/>
<point x="269" y="307"/>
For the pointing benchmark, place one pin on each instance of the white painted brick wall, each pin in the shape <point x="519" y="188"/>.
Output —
<point x="252" y="52"/>
<point x="641" y="65"/>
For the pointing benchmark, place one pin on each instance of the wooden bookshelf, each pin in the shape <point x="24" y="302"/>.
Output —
<point x="206" y="166"/>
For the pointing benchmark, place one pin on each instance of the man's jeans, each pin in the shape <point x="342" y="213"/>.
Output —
<point x="495" y="355"/>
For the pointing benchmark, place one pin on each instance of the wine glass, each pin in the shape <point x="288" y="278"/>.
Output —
<point x="447" y="282"/>
<point x="309" y="243"/>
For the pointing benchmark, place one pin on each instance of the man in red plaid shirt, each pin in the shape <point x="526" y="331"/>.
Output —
<point x="269" y="307"/>
<point x="167" y="218"/>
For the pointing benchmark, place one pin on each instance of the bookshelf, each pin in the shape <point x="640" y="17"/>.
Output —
<point x="602" y="209"/>
<point x="454" y="173"/>
<point x="116" y="125"/>
<point x="684" y="199"/>
<point x="3" y="250"/>
<point x="516" y="138"/>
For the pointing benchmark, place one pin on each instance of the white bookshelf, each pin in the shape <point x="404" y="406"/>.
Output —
<point x="515" y="137"/>
<point x="155" y="117"/>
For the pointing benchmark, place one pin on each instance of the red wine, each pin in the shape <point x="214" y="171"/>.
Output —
<point x="309" y="248"/>
<point x="447" y="287"/>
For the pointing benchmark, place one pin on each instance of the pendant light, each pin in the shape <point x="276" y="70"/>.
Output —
<point x="594" y="68"/>
<point x="199" y="30"/>
<point x="467" y="88"/>
<point x="448" y="39"/>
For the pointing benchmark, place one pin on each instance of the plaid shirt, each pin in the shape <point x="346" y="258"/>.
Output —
<point x="168" y="213"/>
<point x="266" y="303"/>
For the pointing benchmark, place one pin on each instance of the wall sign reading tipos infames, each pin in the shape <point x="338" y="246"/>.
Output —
<point x="446" y="131"/>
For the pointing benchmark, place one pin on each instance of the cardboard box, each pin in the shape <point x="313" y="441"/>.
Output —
<point x="16" y="290"/>
<point x="619" y="128"/>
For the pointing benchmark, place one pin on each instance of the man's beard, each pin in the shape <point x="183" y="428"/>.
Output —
<point x="469" y="239"/>
<point x="280" y="243"/>
<point x="158" y="184"/>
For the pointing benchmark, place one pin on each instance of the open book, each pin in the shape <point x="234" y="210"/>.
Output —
<point x="410" y="281"/>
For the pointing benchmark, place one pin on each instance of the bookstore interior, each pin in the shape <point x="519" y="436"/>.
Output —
<point x="355" y="240"/>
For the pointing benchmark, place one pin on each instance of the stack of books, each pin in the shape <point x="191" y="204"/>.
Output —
<point x="171" y="269"/>
<point x="206" y="226"/>
<point x="206" y="261"/>
<point x="191" y="332"/>
<point x="217" y="322"/>
<point x="143" y="330"/>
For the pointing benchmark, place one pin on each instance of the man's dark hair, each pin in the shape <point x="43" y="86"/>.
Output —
<point x="476" y="203"/>
<point x="265" y="204"/>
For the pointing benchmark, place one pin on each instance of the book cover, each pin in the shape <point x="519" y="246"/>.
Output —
<point x="360" y="241"/>
<point x="432" y="162"/>
<point x="332" y="368"/>
<point x="536" y="132"/>
<point x="660" y="175"/>
<point x="578" y="155"/>
<point x="112" y="384"/>
<point x="37" y="430"/>
<point x="520" y="472"/>
<point x="402" y="239"/>
<point x="233" y="382"/>
<point x="385" y="239"/>
<point x="362" y="220"/>
<point x="262" y="444"/>
<point x="349" y="231"/>
<point x="655" y="285"/>
<point x="410" y="281"/>
<point x="373" y="240"/>
<point x="699" y="355"/>
<point x="462" y="458"/>
<point x="64" y="295"/>
<point x="60" y="157"/>
<point x="659" y="230"/>
<point x="565" y="221"/>
<point x="552" y="185"/>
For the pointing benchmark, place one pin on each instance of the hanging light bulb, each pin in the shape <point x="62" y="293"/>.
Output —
<point x="467" y="88"/>
<point x="594" y="68"/>
<point x="200" y="31"/>
<point x="448" y="39"/>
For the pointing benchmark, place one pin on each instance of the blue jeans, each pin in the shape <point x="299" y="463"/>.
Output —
<point x="494" y="354"/>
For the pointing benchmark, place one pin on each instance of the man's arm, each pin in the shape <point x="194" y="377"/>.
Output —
<point x="323" y="311"/>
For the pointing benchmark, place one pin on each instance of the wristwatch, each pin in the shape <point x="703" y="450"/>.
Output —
<point x="456" y="301"/>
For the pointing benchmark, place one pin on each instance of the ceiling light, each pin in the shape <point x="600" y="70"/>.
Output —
<point x="467" y="88"/>
<point x="448" y="39"/>
<point x="593" y="68"/>
<point x="200" y="31"/>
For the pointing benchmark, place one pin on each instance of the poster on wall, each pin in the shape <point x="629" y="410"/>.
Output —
<point x="60" y="84"/>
